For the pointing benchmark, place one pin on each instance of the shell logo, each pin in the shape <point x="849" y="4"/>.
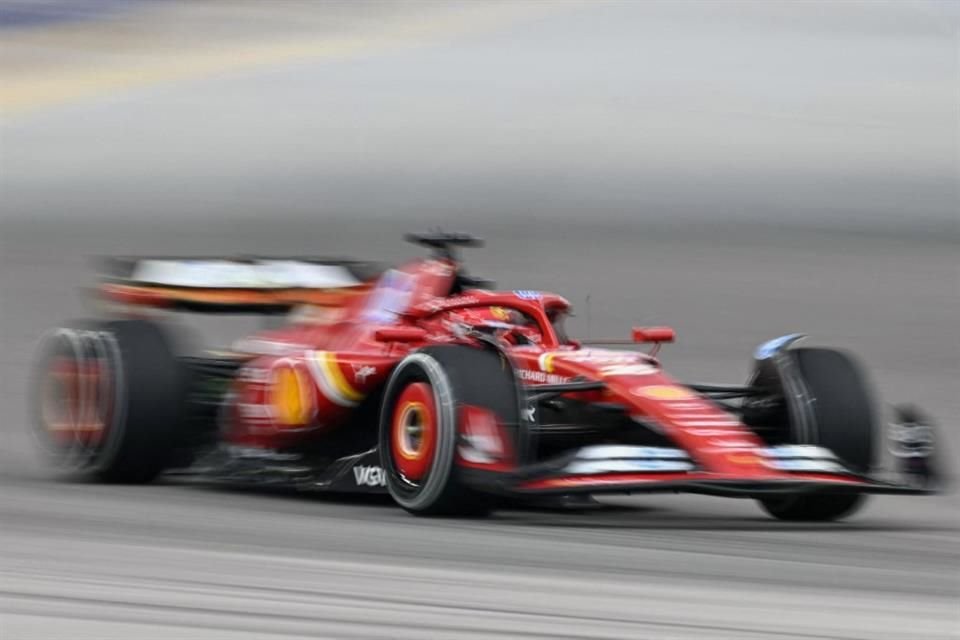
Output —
<point x="665" y="392"/>
<point x="546" y="362"/>
<point x="292" y="396"/>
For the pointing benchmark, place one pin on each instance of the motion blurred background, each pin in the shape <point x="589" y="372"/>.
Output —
<point x="787" y="113"/>
<point x="738" y="170"/>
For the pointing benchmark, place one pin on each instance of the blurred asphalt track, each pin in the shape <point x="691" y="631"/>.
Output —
<point x="677" y="177"/>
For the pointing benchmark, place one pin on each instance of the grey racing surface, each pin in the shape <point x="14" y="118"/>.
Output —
<point x="180" y="559"/>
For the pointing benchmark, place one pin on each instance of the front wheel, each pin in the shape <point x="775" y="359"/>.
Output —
<point x="419" y="425"/>
<point x="844" y="421"/>
<point x="813" y="508"/>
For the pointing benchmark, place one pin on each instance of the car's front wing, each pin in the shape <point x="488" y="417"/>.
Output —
<point x="611" y="469"/>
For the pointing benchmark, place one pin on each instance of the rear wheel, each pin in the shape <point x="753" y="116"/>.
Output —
<point x="109" y="400"/>
<point x="419" y="428"/>
<point x="844" y="422"/>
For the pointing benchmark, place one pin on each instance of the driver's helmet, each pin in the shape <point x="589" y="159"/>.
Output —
<point x="509" y="324"/>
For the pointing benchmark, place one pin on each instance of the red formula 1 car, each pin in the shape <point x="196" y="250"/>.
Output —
<point x="421" y="382"/>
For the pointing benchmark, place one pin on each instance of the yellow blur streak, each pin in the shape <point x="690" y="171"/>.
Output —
<point x="26" y="89"/>
<point x="55" y="87"/>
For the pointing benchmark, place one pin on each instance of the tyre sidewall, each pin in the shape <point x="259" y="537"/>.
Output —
<point x="421" y="367"/>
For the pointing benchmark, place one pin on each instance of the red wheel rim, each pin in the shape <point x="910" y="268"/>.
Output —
<point x="75" y="401"/>
<point x="61" y="399"/>
<point x="413" y="431"/>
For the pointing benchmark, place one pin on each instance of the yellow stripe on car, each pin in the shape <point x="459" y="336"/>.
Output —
<point x="331" y="380"/>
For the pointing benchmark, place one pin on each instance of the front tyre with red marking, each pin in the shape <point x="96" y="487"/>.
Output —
<point x="108" y="400"/>
<point x="419" y="431"/>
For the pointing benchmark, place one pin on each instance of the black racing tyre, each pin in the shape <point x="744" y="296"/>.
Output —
<point x="813" y="508"/>
<point x="418" y="425"/>
<point x="845" y="422"/>
<point x="109" y="400"/>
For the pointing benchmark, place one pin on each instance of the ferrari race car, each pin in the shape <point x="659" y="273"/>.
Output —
<point x="422" y="382"/>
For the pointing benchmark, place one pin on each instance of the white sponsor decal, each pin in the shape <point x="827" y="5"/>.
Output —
<point x="362" y="372"/>
<point x="602" y="451"/>
<point x="440" y="304"/>
<point x="458" y="301"/>
<point x="433" y="305"/>
<point x="626" y="466"/>
<point x="528" y="375"/>
<point x="598" y="356"/>
<point x="369" y="477"/>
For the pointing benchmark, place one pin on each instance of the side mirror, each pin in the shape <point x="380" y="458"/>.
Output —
<point x="400" y="334"/>
<point x="654" y="334"/>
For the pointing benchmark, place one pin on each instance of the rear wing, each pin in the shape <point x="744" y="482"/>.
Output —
<point x="260" y="285"/>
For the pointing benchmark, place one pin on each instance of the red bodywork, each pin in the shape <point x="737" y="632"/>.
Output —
<point x="308" y="379"/>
